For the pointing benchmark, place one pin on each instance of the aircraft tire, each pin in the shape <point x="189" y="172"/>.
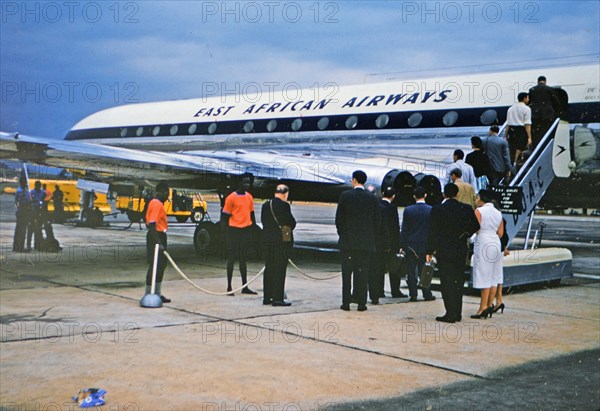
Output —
<point x="134" y="216"/>
<point x="181" y="218"/>
<point x="202" y="239"/>
<point x="197" y="214"/>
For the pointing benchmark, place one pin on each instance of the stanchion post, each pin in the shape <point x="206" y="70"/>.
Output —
<point x="152" y="300"/>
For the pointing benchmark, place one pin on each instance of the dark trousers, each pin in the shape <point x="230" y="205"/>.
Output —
<point x="355" y="263"/>
<point x="382" y="263"/>
<point x="414" y="266"/>
<point x="496" y="176"/>
<point x="237" y="242"/>
<point x="21" y="230"/>
<point x="35" y="228"/>
<point x="452" y="278"/>
<point x="162" y="260"/>
<point x="276" y="262"/>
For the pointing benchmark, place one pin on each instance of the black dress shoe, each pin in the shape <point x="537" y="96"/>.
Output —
<point x="413" y="299"/>
<point x="445" y="319"/>
<point x="165" y="299"/>
<point x="399" y="294"/>
<point x="246" y="290"/>
<point x="345" y="307"/>
<point x="281" y="304"/>
<point x="375" y="301"/>
<point x="429" y="298"/>
<point x="362" y="308"/>
<point x="268" y="301"/>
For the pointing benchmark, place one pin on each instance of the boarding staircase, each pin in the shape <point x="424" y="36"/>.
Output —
<point x="551" y="158"/>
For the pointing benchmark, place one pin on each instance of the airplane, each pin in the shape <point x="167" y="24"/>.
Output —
<point x="401" y="133"/>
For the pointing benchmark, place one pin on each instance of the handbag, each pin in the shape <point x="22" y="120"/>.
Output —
<point x="286" y="230"/>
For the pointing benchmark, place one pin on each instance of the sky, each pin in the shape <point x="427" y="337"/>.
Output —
<point x="63" y="60"/>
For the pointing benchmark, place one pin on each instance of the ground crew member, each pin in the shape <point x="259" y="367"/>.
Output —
<point x="156" y="220"/>
<point x="23" y="203"/>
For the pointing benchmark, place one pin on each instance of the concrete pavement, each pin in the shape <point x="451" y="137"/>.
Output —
<point x="72" y="320"/>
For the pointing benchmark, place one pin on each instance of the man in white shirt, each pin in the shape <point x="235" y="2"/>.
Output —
<point x="468" y="174"/>
<point x="518" y="126"/>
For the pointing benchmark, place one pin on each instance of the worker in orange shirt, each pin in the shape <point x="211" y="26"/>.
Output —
<point x="156" y="220"/>
<point x="237" y="220"/>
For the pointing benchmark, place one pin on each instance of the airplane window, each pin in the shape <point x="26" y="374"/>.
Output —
<point x="155" y="130"/>
<point x="415" y="119"/>
<point x="351" y="122"/>
<point x="271" y="125"/>
<point x="297" y="124"/>
<point x="123" y="132"/>
<point x="382" y="121"/>
<point x="192" y="129"/>
<point x="488" y="117"/>
<point x="173" y="129"/>
<point x="212" y="128"/>
<point x="323" y="123"/>
<point x="139" y="131"/>
<point x="248" y="127"/>
<point x="450" y="118"/>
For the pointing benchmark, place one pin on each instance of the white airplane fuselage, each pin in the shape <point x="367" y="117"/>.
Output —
<point x="380" y="108"/>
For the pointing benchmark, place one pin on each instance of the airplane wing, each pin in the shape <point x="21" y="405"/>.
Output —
<point x="314" y="167"/>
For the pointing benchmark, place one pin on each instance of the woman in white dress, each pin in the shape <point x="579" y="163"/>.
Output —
<point x="487" y="257"/>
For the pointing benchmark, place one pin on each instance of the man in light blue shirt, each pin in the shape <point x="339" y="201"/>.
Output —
<point x="468" y="174"/>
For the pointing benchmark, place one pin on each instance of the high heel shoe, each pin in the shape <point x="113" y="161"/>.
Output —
<point x="499" y="308"/>
<point x="484" y="314"/>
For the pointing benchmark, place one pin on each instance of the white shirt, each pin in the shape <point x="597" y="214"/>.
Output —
<point x="518" y="115"/>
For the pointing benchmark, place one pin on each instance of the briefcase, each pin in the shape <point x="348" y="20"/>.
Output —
<point x="397" y="264"/>
<point x="426" y="275"/>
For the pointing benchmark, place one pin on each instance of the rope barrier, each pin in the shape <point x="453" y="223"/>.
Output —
<point x="311" y="277"/>
<point x="205" y="290"/>
<point x="262" y="270"/>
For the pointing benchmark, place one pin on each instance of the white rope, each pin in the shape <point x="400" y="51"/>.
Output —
<point x="311" y="277"/>
<point x="205" y="290"/>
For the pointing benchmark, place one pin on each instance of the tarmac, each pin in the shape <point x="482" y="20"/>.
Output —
<point x="72" y="320"/>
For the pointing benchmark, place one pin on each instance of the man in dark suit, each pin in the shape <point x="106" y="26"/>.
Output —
<point x="452" y="224"/>
<point x="356" y="219"/>
<point x="275" y="214"/>
<point x="387" y="246"/>
<point x="544" y="105"/>
<point x="413" y="240"/>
